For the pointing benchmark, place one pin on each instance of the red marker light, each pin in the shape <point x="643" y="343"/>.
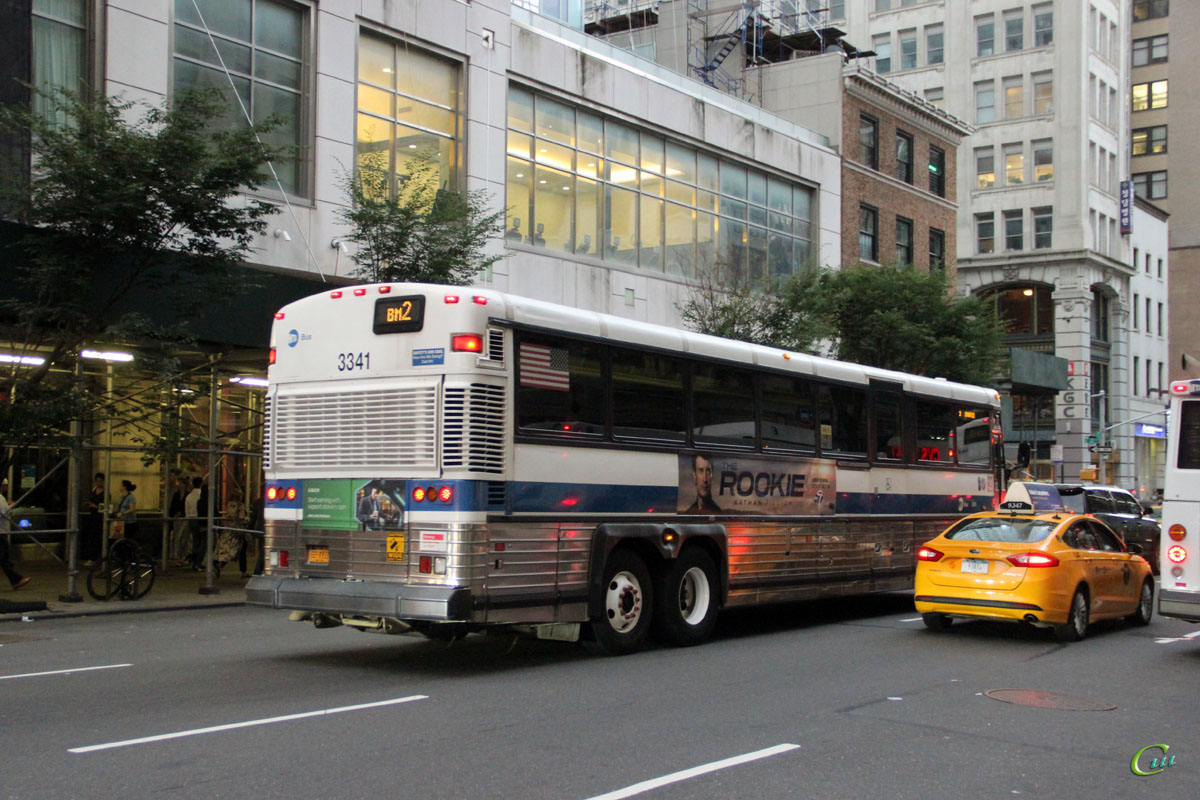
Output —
<point x="271" y="356"/>
<point x="451" y="299"/>
<point x="467" y="343"/>
<point x="283" y="558"/>
<point x="278" y="315"/>
<point x="1176" y="554"/>
<point x="291" y="493"/>
<point x="929" y="554"/>
<point x="480" y="300"/>
<point x="359" y="292"/>
<point x="385" y="289"/>
<point x="425" y="564"/>
<point x="1177" y="532"/>
<point x="272" y="493"/>
<point x="336" y="295"/>
<point x="419" y="493"/>
<point x="445" y="494"/>
<point x="570" y="501"/>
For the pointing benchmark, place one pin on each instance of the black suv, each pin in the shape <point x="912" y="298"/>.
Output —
<point x="1120" y="510"/>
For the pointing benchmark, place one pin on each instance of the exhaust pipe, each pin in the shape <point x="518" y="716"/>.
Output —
<point x="325" y="621"/>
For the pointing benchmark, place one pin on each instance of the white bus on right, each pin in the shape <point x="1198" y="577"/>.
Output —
<point x="1179" y="557"/>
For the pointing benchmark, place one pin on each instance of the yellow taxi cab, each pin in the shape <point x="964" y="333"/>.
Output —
<point x="1032" y="561"/>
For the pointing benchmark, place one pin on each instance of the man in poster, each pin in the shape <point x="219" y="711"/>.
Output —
<point x="702" y="472"/>
<point x="370" y="510"/>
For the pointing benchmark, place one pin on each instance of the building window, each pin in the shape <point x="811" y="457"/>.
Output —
<point x="263" y="45"/>
<point x="868" y="233"/>
<point x="904" y="156"/>
<point x="1149" y="95"/>
<point x="1160" y="319"/>
<point x="1024" y="310"/>
<point x="1148" y="265"/>
<point x="1043" y="25"/>
<point x="1043" y="228"/>
<point x="1149" y="9"/>
<point x="407" y="109"/>
<point x="1014" y="97"/>
<point x="1014" y="164"/>
<point x="1137" y="300"/>
<point x="1101" y="305"/>
<point x="1043" y="93"/>
<point x="985" y="168"/>
<point x="585" y="184"/>
<point x="937" y="171"/>
<point x="1150" y="185"/>
<point x="837" y="9"/>
<point x="868" y="141"/>
<point x="1150" y="141"/>
<point x="882" y="45"/>
<point x="985" y="233"/>
<point x="1148" y="316"/>
<point x="934" y="47"/>
<point x="1159" y="266"/>
<point x="1043" y="160"/>
<point x="59" y="57"/>
<point x="904" y="242"/>
<point x="1014" y="30"/>
<point x="1136" y="377"/>
<point x="1014" y="231"/>
<point x="936" y="96"/>
<point x="908" y="49"/>
<point x="985" y="36"/>
<point x="1151" y="50"/>
<point x="883" y="5"/>
<point x="937" y="249"/>
<point x="985" y="101"/>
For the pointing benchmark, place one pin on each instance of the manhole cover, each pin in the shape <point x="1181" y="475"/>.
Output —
<point x="1041" y="699"/>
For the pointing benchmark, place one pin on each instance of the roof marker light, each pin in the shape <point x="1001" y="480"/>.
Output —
<point x="278" y="315"/>
<point x="385" y="289"/>
<point x="480" y="300"/>
<point x="335" y="295"/>
<point x="359" y="292"/>
<point x="451" y="299"/>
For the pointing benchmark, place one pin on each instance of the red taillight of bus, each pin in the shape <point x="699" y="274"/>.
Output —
<point x="272" y="494"/>
<point x="1033" y="560"/>
<point x="929" y="554"/>
<point x="271" y="356"/>
<point x="445" y="494"/>
<point x="1177" y="554"/>
<point x="466" y="343"/>
<point x="419" y="494"/>
<point x="1177" y="532"/>
<point x="283" y="558"/>
<point x="279" y="315"/>
<point x="425" y="564"/>
<point x="451" y="299"/>
<point x="291" y="493"/>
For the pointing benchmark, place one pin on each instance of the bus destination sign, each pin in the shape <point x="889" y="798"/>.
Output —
<point x="399" y="314"/>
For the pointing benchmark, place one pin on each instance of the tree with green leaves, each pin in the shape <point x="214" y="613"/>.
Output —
<point x="418" y="231"/>
<point x="895" y="318"/>
<point x="110" y="207"/>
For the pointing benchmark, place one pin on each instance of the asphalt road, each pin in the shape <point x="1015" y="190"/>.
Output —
<point x="822" y="700"/>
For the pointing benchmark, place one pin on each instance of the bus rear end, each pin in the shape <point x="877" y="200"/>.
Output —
<point x="385" y="448"/>
<point x="1179" y="555"/>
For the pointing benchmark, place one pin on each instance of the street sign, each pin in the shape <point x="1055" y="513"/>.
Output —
<point x="1101" y="449"/>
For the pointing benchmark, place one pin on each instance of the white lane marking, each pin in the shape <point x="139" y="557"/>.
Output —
<point x="1187" y="637"/>
<point x="249" y="723"/>
<point x="676" y="777"/>
<point x="62" y="671"/>
<point x="911" y="619"/>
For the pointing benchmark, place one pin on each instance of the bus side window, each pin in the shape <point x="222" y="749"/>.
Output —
<point x="560" y="386"/>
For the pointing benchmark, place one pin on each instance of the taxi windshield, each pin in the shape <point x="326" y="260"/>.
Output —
<point x="1002" y="529"/>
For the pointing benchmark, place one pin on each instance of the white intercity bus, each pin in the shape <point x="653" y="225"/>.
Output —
<point x="1179" y="551"/>
<point x="445" y="460"/>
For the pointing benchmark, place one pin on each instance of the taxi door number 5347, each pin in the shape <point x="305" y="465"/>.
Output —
<point x="348" y="362"/>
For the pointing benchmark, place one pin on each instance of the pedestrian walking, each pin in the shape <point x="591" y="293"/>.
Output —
<point x="15" y="578"/>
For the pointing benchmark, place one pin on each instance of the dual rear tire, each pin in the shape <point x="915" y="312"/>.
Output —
<point x="678" y="605"/>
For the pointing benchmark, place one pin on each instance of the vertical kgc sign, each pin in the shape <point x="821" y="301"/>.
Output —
<point x="1126" y="207"/>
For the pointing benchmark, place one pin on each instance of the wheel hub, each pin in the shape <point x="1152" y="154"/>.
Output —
<point x="623" y="603"/>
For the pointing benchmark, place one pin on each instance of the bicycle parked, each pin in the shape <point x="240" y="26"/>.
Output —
<point x="127" y="572"/>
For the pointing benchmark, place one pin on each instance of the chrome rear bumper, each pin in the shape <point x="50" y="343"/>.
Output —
<point x="361" y="598"/>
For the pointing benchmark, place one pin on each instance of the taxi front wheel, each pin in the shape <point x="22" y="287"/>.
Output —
<point x="1077" y="621"/>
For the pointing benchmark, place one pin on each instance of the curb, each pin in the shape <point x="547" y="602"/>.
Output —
<point x="17" y="616"/>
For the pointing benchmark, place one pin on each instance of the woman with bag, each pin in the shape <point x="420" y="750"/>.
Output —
<point x="231" y="541"/>
<point x="125" y="521"/>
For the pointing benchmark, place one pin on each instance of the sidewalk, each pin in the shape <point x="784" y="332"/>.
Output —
<point x="177" y="588"/>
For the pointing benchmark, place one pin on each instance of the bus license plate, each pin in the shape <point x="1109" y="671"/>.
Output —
<point x="318" y="555"/>
<point x="979" y="565"/>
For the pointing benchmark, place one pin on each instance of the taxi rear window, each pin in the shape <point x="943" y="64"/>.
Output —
<point x="1004" y="530"/>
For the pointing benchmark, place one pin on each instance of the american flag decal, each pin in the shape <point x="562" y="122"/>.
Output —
<point x="545" y="367"/>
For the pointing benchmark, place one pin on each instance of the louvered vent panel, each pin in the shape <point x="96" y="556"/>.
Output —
<point x="267" y="434"/>
<point x="368" y="430"/>
<point x="473" y="432"/>
<point x="495" y="346"/>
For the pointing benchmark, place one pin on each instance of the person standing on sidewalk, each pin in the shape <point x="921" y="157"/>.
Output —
<point x="15" y="578"/>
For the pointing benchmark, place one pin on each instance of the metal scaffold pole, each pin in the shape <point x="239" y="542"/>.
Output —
<point x="209" y="570"/>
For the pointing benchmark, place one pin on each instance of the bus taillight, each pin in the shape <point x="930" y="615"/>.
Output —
<point x="291" y="493"/>
<point x="279" y="315"/>
<point x="1177" y="554"/>
<point x="271" y="356"/>
<point x="272" y="494"/>
<point x="466" y="343"/>
<point x="419" y="493"/>
<point x="1177" y="532"/>
<point x="445" y="494"/>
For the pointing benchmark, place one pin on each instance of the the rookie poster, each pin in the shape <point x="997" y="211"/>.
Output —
<point x="727" y="484"/>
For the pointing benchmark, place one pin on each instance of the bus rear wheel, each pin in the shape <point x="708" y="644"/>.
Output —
<point x="685" y="597"/>
<point x="628" y="605"/>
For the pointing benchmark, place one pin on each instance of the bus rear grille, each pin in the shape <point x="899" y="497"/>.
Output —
<point x="267" y="433"/>
<point x="473" y="436"/>
<point x="377" y="431"/>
